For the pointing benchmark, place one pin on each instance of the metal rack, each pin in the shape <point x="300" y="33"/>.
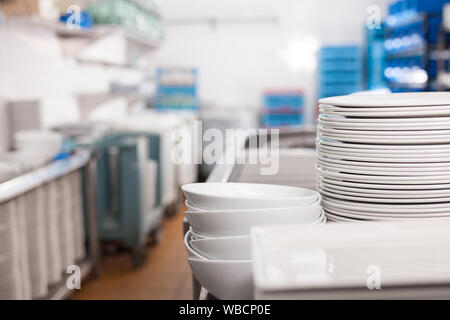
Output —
<point x="34" y="179"/>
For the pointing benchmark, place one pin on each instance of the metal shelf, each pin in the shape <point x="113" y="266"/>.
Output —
<point x="24" y="183"/>
<point x="94" y="33"/>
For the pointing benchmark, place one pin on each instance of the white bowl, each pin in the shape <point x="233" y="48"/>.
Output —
<point x="229" y="196"/>
<point x="195" y="235"/>
<point x="191" y="207"/>
<point x="224" y="248"/>
<point x="225" y="280"/>
<point x="190" y="251"/>
<point x="238" y="222"/>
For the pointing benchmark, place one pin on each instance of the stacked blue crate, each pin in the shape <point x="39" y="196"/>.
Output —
<point x="412" y="29"/>
<point x="282" y="108"/>
<point x="176" y="89"/>
<point x="341" y="70"/>
<point x="375" y="58"/>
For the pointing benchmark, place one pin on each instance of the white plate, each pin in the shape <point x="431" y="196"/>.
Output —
<point x="328" y="107"/>
<point x="384" y="133"/>
<point x="326" y="148"/>
<point x="382" y="186"/>
<point x="384" y="171"/>
<point x="431" y="159"/>
<point x="387" y="112"/>
<point x="381" y="200"/>
<point x="366" y="215"/>
<point x="372" y="138"/>
<point x="230" y="196"/>
<point x="389" y="166"/>
<point x="385" y="140"/>
<point x="385" y="179"/>
<point x="379" y="154"/>
<point x="390" y="99"/>
<point x="386" y="208"/>
<point x="382" y="193"/>
<point x="429" y="121"/>
<point x="384" y="126"/>
<point x="345" y="145"/>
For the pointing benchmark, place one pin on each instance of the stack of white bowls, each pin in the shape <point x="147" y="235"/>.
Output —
<point x="383" y="157"/>
<point x="221" y="216"/>
<point x="36" y="147"/>
<point x="14" y="280"/>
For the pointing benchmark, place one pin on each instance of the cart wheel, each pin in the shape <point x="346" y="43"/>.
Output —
<point x="172" y="210"/>
<point x="155" y="236"/>
<point x="139" y="256"/>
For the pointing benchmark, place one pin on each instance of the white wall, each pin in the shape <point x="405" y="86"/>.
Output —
<point x="33" y="65"/>
<point x="236" y="62"/>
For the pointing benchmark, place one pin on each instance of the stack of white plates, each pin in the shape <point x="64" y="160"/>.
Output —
<point x="385" y="156"/>
<point x="36" y="245"/>
<point x="64" y="222"/>
<point x="14" y="268"/>
<point x="52" y="235"/>
<point x="221" y="216"/>
<point x="77" y="215"/>
<point x="384" y="260"/>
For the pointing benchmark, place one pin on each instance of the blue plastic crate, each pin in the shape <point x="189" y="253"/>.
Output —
<point x="280" y="120"/>
<point x="427" y="6"/>
<point x="340" y="52"/>
<point x="276" y="100"/>
<point x="340" y="77"/>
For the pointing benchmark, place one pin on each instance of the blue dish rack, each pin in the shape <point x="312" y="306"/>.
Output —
<point x="412" y="31"/>
<point x="375" y="58"/>
<point x="282" y="108"/>
<point x="341" y="70"/>
<point x="176" y="89"/>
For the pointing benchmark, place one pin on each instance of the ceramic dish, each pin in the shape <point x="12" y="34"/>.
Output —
<point x="224" y="279"/>
<point x="390" y="100"/>
<point x="223" y="248"/>
<point x="229" y="196"/>
<point x="239" y="222"/>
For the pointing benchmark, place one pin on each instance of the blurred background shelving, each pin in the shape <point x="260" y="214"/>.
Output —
<point x="117" y="78"/>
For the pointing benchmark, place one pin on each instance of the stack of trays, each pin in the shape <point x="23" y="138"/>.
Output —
<point x="36" y="245"/>
<point x="386" y="156"/>
<point x="221" y="216"/>
<point x="52" y="235"/>
<point x="14" y="282"/>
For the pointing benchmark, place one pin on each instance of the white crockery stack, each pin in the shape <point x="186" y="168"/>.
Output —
<point x="221" y="216"/>
<point x="384" y="157"/>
